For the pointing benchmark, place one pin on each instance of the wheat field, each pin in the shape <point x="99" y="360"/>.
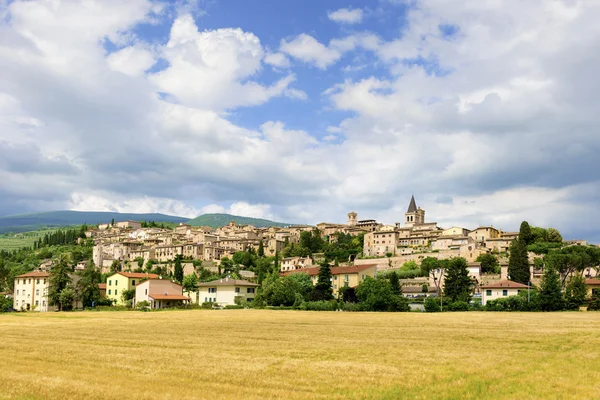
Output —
<point x="258" y="354"/>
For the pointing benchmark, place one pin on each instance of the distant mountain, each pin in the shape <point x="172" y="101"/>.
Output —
<point x="33" y="221"/>
<point x="217" y="220"/>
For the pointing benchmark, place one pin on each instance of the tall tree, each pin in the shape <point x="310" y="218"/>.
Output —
<point x="551" y="297"/>
<point x="261" y="249"/>
<point x="323" y="289"/>
<point x="518" y="262"/>
<point x="178" y="269"/>
<point x="457" y="283"/>
<point x="525" y="233"/>
<point x="395" y="283"/>
<point x="576" y="292"/>
<point x="59" y="280"/>
<point x="87" y="285"/>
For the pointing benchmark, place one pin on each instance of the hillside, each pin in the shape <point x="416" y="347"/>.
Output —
<point x="34" y="221"/>
<point x="217" y="220"/>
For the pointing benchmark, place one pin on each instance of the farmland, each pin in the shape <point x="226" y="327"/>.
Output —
<point x="16" y="241"/>
<point x="297" y="355"/>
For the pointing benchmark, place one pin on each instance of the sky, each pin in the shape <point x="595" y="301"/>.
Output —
<point x="302" y="111"/>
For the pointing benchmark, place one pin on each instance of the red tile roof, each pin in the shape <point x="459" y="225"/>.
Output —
<point x="34" y="274"/>
<point x="228" y="282"/>
<point x="168" y="297"/>
<point x="102" y="285"/>
<point x="505" y="285"/>
<point x="592" y="281"/>
<point x="334" y="270"/>
<point x="139" y="275"/>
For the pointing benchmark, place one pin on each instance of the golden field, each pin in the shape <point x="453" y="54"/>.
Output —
<point x="257" y="354"/>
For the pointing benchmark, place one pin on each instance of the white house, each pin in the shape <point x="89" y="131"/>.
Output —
<point x="498" y="290"/>
<point x="224" y="291"/>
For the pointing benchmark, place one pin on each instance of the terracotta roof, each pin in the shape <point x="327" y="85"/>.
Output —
<point x="138" y="275"/>
<point x="334" y="270"/>
<point x="592" y="281"/>
<point x="228" y="282"/>
<point x="168" y="297"/>
<point x="505" y="285"/>
<point x="102" y="285"/>
<point x="34" y="274"/>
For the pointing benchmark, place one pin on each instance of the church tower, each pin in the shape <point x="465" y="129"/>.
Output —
<point x="414" y="215"/>
<point x="352" y="218"/>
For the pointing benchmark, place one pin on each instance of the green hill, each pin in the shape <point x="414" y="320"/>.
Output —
<point x="217" y="220"/>
<point x="35" y="221"/>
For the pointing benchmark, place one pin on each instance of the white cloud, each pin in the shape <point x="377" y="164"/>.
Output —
<point x="212" y="69"/>
<point x="251" y="210"/>
<point x="132" y="60"/>
<point x="306" y="48"/>
<point x="213" y="209"/>
<point x="277" y="60"/>
<point x="346" y="15"/>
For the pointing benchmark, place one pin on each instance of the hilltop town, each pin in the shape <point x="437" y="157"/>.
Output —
<point x="227" y="265"/>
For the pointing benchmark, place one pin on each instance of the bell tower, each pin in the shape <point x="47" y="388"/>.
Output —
<point x="414" y="215"/>
<point x="352" y="218"/>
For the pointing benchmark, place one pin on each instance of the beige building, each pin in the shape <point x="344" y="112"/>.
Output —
<point x="484" y="233"/>
<point x="340" y="276"/>
<point x="500" y="289"/>
<point x="128" y="225"/>
<point x="455" y="231"/>
<point x="117" y="283"/>
<point x="31" y="292"/>
<point x="160" y="293"/>
<point x="224" y="291"/>
<point x="294" y="263"/>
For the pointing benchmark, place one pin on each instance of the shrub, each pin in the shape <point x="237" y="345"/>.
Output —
<point x="208" y="305"/>
<point x="459" y="306"/>
<point x="432" y="304"/>
<point x="234" y="307"/>
<point x="104" y="302"/>
<point x="331" y="305"/>
<point x="143" y="305"/>
<point x="351" y="307"/>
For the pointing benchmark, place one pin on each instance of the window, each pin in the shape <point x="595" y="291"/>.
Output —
<point x="37" y="282"/>
<point x="37" y="303"/>
<point x="488" y="292"/>
<point x="237" y="289"/>
<point x="37" y="292"/>
<point x="146" y="291"/>
<point x="115" y="292"/>
<point x="212" y="290"/>
<point x="44" y="281"/>
<point x="346" y="278"/>
<point x="108" y="291"/>
<point x="17" y="291"/>
<point x="110" y="282"/>
<point x="363" y="277"/>
<point x="335" y="286"/>
<point x="116" y="282"/>
<point x="250" y="290"/>
<point x="504" y="292"/>
<point x="132" y="283"/>
<point x="206" y="299"/>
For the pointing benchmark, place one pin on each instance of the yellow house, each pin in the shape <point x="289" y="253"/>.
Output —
<point x="593" y="287"/>
<point x="121" y="281"/>
<point x="31" y="291"/>
<point x="340" y="276"/>
<point x="224" y="291"/>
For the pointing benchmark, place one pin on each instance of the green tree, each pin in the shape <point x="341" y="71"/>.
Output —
<point x="554" y="236"/>
<point x="457" y="283"/>
<point x="428" y="264"/>
<point x="409" y="266"/>
<point x="243" y="258"/>
<point x="576" y="292"/>
<point x="518" y="262"/>
<point x="190" y="283"/>
<point x="112" y="222"/>
<point x="66" y="298"/>
<point x="525" y="233"/>
<point x="127" y="296"/>
<point x="489" y="263"/>
<point x="178" y="269"/>
<point x="59" y="280"/>
<point x="87" y="285"/>
<point x="261" y="249"/>
<point x="395" y="283"/>
<point x="323" y="290"/>
<point x="115" y="266"/>
<point x="551" y="297"/>
<point x="376" y="294"/>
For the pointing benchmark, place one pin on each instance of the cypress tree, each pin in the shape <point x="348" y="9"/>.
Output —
<point x="395" y="283"/>
<point x="59" y="280"/>
<point x="457" y="284"/>
<point x="525" y="233"/>
<point x="261" y="249"/>
<point x="178" y="269"/>
<point x="518" y="262"/>
<point x="323" y="289"/>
